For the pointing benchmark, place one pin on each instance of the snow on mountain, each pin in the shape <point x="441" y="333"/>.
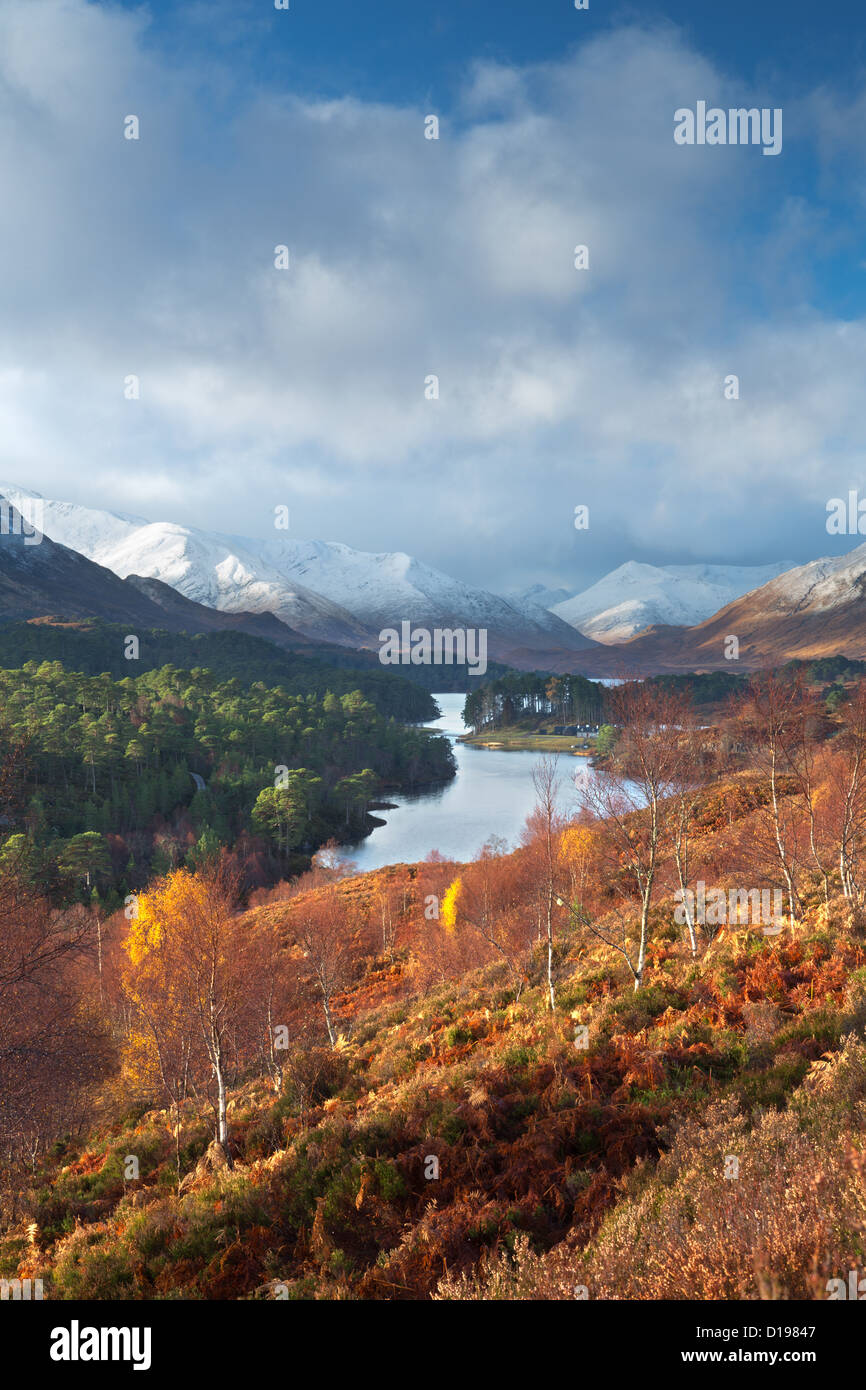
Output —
<point x="38" y="578"/>
<point x="323" y="589"/>
<point x="816" y="610"/>
<point x="635" y="596"/>
<point x="213" y="570"/>
<point x="819" y="586"/>
<point x="539" y="595"/>
<point x="385" y="589"/>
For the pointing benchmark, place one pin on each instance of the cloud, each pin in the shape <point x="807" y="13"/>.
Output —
<point x="412" y="257"/>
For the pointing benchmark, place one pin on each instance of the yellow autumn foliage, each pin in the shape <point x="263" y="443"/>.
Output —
<point x="576" y="843"/>
<point x="448" y="916"/>
<point x="157" y="1037"/>
<point x="167" y="901"/>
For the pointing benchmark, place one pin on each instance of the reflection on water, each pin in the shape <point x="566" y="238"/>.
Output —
<point x="491" y="795"/>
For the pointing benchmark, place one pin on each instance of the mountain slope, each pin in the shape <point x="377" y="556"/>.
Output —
<point x="323" y="589"/>
<point x="636" y="596"/>
<point x="215" y="571"/>
<point x="539" y="595"/>
<point x="47" y="578"/>
<point x="531" y="1137"/>
<point x="815" y="610"/>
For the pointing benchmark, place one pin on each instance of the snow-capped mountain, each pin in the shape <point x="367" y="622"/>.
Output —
<point x="818" y="587"/>
<point x="636" y="596"/>
<point x="645" y="618"/>
<point x="385" y="589"/>
<point x="211" y="570"/>
<point x="815" y="610"/>
<point x="323" y="589"/>
<point x="41" y="578"/>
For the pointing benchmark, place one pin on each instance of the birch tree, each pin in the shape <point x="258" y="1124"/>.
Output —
<point x="772" y="716"/>
<point x="626" y="799"/>
<point x="198" y="962"/>
<point x="544" y="828"/>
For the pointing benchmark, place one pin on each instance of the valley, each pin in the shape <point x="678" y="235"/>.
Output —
<point x="499" y="1074"/>
<point x="480" y="1014"/>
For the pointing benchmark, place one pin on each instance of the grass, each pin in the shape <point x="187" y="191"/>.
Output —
<point x="525" y="740"/>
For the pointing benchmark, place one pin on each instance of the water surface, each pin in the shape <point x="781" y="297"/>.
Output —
<point x="491" y="795"/>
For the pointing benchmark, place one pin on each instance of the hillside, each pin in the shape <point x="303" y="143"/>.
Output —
<point x="556" y="1166"/>
<point x="42" y="577"/>
<point x="624" y="1061"/>
<point x="409" y="1096"/>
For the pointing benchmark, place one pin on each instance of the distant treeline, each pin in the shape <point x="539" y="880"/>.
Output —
<point x="94" y="647"/>
<point x="828" y="668"/>
<point x="714" y="687"/>
<point x="530" y="699"/>
<point x="708" y="688"/>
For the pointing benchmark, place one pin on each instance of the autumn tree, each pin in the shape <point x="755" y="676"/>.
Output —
<point x="806" y="756"/>
<point x="324" y="935"/>
<point x="281" y="1008"/>
<point x="687" y="779"/>
<point x="481" y="901"/>
<point x="842" y="794"/>
<point x="192" y="977"/>
<point x="771" y="720"/>
<point x="392" y="900"/>
<point x="578" y="855"/>
<point x="541" y="837"/>
<point x="440" y="951"/>
<point x="627" y="802"/>
<point x="54" y="1047"/>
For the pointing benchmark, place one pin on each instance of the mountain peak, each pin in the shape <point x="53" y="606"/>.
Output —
<point x="637" y="595"/>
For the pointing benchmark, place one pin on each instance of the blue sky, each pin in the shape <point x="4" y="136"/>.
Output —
<point x="454" y="257"/>
<point x="393" y="51"/>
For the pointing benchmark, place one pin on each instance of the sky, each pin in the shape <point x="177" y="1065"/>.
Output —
<point x="410" y="258"/>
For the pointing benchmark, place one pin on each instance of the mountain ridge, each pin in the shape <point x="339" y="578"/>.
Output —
<point x="812" y="611"/>
<point x="323" y="589"/>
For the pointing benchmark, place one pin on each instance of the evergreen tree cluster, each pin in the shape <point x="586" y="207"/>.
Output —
<point x="101" y="758"/>
<point x="523" y="697"/>
<point x="95" y="647"/>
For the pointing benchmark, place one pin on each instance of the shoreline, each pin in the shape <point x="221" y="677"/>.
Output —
<point x="523" y="741"/>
